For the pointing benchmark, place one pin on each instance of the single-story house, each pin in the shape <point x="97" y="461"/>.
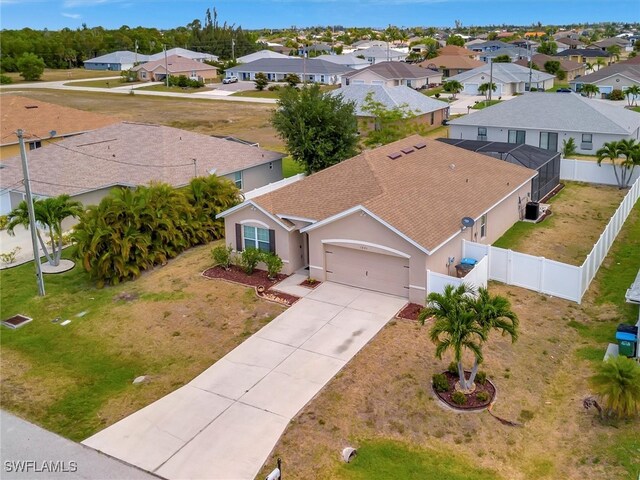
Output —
<point x="393" y="74"/>
<point x="375" y="55"/>
<point x="618" y="76"/>
<point x="546" y="120"/>
<point x="276" y="69"/>
<point x="116" y="61"/>
<point x="494" y="48"/>
<point x="260" y="55"/>
<point x="155" y="71"/>
<point x="427" y="111"/>
<point x="624" y="44"/>
<point x="183" y="52"/>
<point x="584" y="55"/>
<point x="566" y="43"/>
<point x="572" y="69"/>
<point x="42" y="123"/>
<point x="508" y="78"/>
<point x="127" y="154"/>
<point x="314" y="49"/>
<point x="350" y="60"/>
<point x="450" y="65"/>
<point x="364" y="44"/>
<point x="380" y="220"/>
<point x="456" y="50"/>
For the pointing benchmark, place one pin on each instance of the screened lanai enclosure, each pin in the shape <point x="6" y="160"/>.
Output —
<point x="545" y="162"/>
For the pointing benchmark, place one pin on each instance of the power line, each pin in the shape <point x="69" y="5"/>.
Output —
<point x="6" y="189"/>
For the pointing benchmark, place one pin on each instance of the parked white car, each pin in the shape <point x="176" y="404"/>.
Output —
<point x="231" y="79"/>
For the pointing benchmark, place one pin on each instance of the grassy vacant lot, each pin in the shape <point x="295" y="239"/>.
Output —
<point x="580" y="213"/>
<point x="101" y="84"/>
<point x="257" y="93"/>
<point x="164" y="88"/>
<point x="244" y="120"/>
<point x="382" y="404"/>
<point x="51" y="75"/>
<point x="171" y="324"/>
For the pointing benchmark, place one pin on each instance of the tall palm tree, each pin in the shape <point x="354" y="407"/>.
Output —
<point x="600" y="63"/>
<point x="492" y="313"/>
<point x="623" y="169"/>
<point x="484" y="89"/>
<point x="49" y="213"/>
<point x="589" y="66"/>
<point x="455" y="327"/>
<point x="632" y="93"/>
<point x="454" y="87"/>
<point x="617" y="382"/>
<point x="590" y="89"/>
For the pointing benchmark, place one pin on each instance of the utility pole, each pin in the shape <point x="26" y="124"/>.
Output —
<point x="195" y="167"/>
<point x="530" y="64"/>
<point x="32" y="216"/>
<point x="166" y="67"/>
<point x="233" y="49"/>
<point x="136" y="61"/>
<point x="490" y="78"/>
<point x="304" y="67"/>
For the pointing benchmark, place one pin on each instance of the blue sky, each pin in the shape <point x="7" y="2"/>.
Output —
<point x="56" y="14"/>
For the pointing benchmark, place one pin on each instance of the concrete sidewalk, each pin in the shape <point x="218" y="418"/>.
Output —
<point x="30" y="453"/>
<point x="225" y="422"/>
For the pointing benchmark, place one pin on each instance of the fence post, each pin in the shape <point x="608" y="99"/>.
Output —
<point x="509" y="261"/>
<point x="541" y="275"/>
<point x="464" y="248"/>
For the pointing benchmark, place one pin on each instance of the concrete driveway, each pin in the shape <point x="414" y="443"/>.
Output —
<point x="225" y="422"/>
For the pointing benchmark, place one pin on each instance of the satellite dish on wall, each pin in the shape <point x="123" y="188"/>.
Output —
<point x="467" y="222"/>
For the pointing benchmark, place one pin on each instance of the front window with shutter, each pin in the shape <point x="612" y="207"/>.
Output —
<point x="255" y="237"/>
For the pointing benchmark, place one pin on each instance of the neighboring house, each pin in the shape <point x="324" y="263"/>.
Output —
<point x="125" y="154"/>
<point x="116" y="61"/>
<point x="375" y="55"/>
<point x="426" y="110"/>
<point x="508" y="78"/>
<point x="624" y="44"/>
<point x="475" y="41"/>
<point x="364" y="44"/>
<point x="155" y="71"/>
<point x="351" y="60"/>
<point x="618" y="76"/>
<point x="450" y="65"/>
<point x="42" y="123"/>
<point x="259" y="56"/>
<point x="584" y="55"/>
<point x="546" y="120"/>
<point x="456" y="50"/>
<point x="566" y="43"/>
<point x="315" y="49"/>
<point x="276" y="69"/>
<point x="494" y="48"/>
<point x="182" y="52"/>
<point x="572" y="69"/>
<point x="526" y="44"/>
<point x="380" y="220"/>
<point x="393" y="74"/>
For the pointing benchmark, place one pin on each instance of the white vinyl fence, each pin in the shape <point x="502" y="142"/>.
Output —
<point x="548" y="276"/>
<point x="273" y="186"/>
<point x="590" y="172"/>
<point x="476" y="278"/>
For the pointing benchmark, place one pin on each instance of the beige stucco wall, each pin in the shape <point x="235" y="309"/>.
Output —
<point x="366" y="124"/>
<point x="260" y="175"/>
<point x="366" y="229"/>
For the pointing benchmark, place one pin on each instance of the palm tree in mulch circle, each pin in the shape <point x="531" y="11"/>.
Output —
<point x="463" y="321"/>
<point x="49" y="213"/>
<point x="617" y="382"/>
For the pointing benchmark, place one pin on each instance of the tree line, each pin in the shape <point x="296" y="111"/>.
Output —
<point x="69" y="48"/>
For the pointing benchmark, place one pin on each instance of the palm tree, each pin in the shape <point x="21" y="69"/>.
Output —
<point x="484" y="89"/>
<point x="589" y="66"/>
<point x="623" y="170"/>
<point x="590" y="89"/>
<point x="632" y="93"/>
<point x="454" y="87"/>
<point x="456" y="327"/>
<point x="600" y="63"/>
<point x="49" y="213"/>
<point x="617" y="382"/>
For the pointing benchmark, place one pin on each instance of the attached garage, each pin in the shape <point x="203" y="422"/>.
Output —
<point x="471" y="88"/>
<point x="380" y="272"/>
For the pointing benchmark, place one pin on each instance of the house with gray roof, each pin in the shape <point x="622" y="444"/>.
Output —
<point x="494" y="48"/>
<point x="376" y="54"/>
<point x="125" y="154"/>
<point x="260" y="55"/>
<point x="350" y="60"/>
<point x="425" y="110"/>
<point x="116" y="61"/>
<point x="393" y="74"/>
<point x="547" y="120"/>
<point x="276" y="69"/>
<point x="183" y="52"/>
<point x="508" y="78"/>
<point x="618" y="76"/>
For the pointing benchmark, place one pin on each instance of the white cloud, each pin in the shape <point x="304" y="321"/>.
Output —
<point x="75" y="16"/>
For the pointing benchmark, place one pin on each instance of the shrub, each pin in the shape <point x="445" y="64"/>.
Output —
<point x="482" y="396"/>
<point x="440" y="382"/>
<point x="481" y="377"/>
<point x="274" y="264"/>
<point x="222" y="256"/>
<point x="10" y="256"/>
<point x="261" y="81"/>
<point x="616" y="95"/>
<point x="569" y="147"/>
<point x="4" y="220"/>
<point x="453" y="368"/>
<point x="459" y="398"/>
<point x="533" y="89"/>
<point x="273" y="88"/>
<point x="437" y="95"/>
<point x="249" y="259"/>
<point x="5" y="80"/>
<point x="30" y="66"/>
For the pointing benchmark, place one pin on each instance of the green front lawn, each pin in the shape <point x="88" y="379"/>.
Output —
<point x="290" y="167"/>
<point x="163" y="88"/>
<point x="101" y="83"/>
<point x="636" y="109"/>
<point x="558" y="84"/>
<point x="258" y="94"/>
<point x="388" y="459"/>
<point x="485" y="104"/>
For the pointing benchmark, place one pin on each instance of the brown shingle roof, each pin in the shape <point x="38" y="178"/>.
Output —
<point x="39" y="118"/>
<point x="175" y="64"/>
<point x="392" y="70"/>
<point x="104" y="157"/>
<point x="452" y="61"/>
<point x="540" y="59"/>
<point x="423" y="194"/>
<point x="456" y="50"/>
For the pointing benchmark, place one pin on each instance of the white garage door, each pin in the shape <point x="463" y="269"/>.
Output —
<point x="357" y="82"/>
<point x="373" y="271"/>
<point x="471" y="88"/>
<point x="498" y="89"/>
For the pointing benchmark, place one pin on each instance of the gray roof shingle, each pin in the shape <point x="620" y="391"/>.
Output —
<point x="505" y="72"/>
<point x="291" y="65"/>
<point x="627" y="69"/>
<point x="121" y="56"/>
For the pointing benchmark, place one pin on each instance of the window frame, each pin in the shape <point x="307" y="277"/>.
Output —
<point x="483" y="226"/>
<point x="584" y="144"/>
<point x="517" y="133"/>
<point x="35" y="144"/>
<point x="251" y="238"/>
<point x="238" y="179"/>
<point x="484" y="135"/>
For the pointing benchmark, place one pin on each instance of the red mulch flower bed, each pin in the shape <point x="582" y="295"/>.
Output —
<point x="308" y="284"/>
<point x="410" y="312"/>
<point x="279" y="297"/>
<point x="237" y="275"/>
<point x="472" y="400"/>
